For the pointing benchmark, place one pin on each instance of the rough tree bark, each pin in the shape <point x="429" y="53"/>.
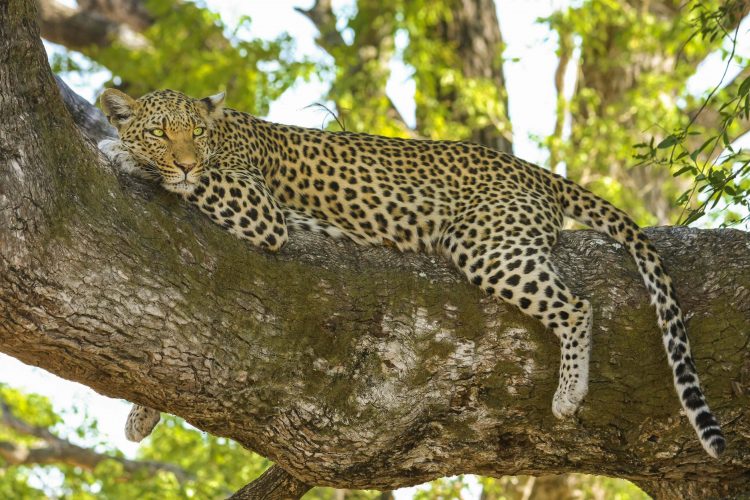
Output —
<point x="349" y="367"/>
<point x="273" y="484"/>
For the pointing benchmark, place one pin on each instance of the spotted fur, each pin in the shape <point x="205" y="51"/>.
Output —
<point x="495" y="216"/>
<point x="141" y="421"/>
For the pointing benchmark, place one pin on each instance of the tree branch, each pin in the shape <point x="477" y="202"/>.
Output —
<point x="710" y="118"/>
<point x="322" y="16"/>
<point x="274" y="484"/>
<point x="348" y="366"/>
<point x="90" y="120"/>
<point x="79" y="28"/>
<point x="58" y="450"/>
<point x="132" y="13"/>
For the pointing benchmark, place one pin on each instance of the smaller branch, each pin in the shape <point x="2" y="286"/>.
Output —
<point x="322" y="16"/>
<point x="274" y="484"/>
<point x="565" y="53"/>
<point x="11" y="422"/>
<point x="78" y="29"/>
<point x="710" y="118"/>
<point x="132" y="13"/>
<point x="72" y="28"/>
<point x="57" y="450"/>
<point x="88" y="119"/>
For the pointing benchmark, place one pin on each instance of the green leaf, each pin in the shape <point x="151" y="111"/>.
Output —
<point x="694" y="216"/>
<point x="744" y="87"/>
<point x="694" y="154"/>
<point x="684" y="197"/>
<point x="716" y="200"/>
<point x="670" y="140"/>
<point x="686" y="168"/>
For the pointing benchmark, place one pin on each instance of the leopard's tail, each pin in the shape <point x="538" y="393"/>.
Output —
<point x="585" y="207"/>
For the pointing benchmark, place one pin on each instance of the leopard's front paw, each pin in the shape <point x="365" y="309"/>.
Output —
<point x="120" y="157"/>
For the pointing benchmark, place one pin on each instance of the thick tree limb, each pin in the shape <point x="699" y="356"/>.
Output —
<point x="349" y="367"/>
<point x="56" y="450"/>
<point x="89" y="120"/>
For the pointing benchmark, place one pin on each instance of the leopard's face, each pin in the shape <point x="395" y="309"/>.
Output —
<point x="168" y="133"/>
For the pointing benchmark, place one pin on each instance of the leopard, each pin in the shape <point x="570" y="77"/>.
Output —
<point x="495" y="216"/>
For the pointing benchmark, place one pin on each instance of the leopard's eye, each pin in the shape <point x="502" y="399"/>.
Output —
<point x="197" y="131"/>
<point x="157" y="132"/>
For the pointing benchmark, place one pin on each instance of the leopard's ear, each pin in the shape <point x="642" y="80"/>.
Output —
<point x="118" y="107"/>
<point x="214" y="105"/>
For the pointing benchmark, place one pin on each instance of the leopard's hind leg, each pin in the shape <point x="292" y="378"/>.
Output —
<point x="516" y="268"/>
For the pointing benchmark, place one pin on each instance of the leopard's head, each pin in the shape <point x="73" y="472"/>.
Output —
<point x="167" y="132"/>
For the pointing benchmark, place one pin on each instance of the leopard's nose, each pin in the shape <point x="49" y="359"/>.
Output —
<point x="186" y="167"/>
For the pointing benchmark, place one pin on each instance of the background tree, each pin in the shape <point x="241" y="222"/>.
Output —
<point x="463" y="103"/>
<point x="186" y="463"/>
<point x="144" y="45"/>
<point x="635" y="60"/>
<point x="704" y="151"/>
<point x="455" y="48"/>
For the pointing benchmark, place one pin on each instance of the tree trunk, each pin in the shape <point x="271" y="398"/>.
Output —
<point x="471" y="35"/>
<point x="349" y="367"/>
<point x="470" y="43"/>
<point x="363" y="64"/>
<point x="611" y="82"/>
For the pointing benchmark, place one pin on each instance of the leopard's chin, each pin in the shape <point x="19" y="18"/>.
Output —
<point x="183" y="187"/>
